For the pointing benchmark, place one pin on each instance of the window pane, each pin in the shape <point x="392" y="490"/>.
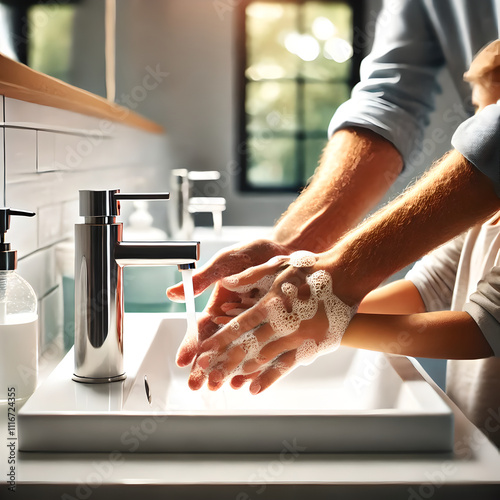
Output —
<point x="271" y="162"/>
<point x="320" y="102"/>
<point x="267" y="24"/>
<point x="299" y="67"/>
<point x="331" y="25"/>
<point x="313" y="149"/>
<point x="50" y="35"/>
<point x="271" y="106"/>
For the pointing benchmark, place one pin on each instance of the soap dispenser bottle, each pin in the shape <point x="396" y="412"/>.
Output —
<point x="18" y="321"/>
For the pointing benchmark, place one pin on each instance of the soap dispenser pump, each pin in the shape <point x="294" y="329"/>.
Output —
<point x="18" y="321"/>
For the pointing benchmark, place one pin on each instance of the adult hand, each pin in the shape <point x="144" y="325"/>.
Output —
<point x="297" y="320"/>
<point x="223" y="302"/>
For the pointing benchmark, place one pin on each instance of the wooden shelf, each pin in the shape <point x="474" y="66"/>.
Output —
<point x="21" y="82"/>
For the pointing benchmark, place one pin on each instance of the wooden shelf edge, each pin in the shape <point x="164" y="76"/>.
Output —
<point x="18" y="81"/>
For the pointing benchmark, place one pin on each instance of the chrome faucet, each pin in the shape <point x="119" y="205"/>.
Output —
<point x="186" y="205"/>
<point x="100" y="255"/>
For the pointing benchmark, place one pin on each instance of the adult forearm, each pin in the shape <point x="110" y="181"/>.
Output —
<point x="449" y="199"/>
<point x="356" y="169"/>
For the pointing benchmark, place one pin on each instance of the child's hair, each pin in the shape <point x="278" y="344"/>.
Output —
<point x="485" y="68"/>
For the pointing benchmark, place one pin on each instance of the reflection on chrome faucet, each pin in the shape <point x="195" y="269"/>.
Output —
<point x="186" y="205"/>
<point x="100" y="255"/>
<point x="100" y="397"/>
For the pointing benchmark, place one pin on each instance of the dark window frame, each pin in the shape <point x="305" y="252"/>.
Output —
<point x="242" y="136"/>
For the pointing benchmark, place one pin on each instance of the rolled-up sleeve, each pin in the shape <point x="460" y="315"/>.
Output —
<point x="398" y="79"/>
<point x="484" y="307"/>
<point x="478" y="139"/>
<point x="435" y="275"/>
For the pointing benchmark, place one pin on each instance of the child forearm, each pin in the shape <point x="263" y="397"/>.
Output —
<point x="398" y="297"/>
<point x="442" y="334"/>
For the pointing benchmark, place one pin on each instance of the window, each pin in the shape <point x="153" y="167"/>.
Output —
<point x="297" y="66"/>
<point x="50" y="30"/>
<point x="40" y="33"/>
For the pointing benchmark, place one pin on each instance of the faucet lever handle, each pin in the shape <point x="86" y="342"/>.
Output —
<point x="203" y="175"/>
<point x="105" y="203"/>
<point x="142" y="196"/>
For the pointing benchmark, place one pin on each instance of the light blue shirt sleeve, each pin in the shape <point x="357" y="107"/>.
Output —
<point x="398" y="79"/>
<point x="478" y="139"/>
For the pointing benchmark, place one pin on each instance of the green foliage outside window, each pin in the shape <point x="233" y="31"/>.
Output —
<point x="50" y="38"/>
<point x="298" y="70"/>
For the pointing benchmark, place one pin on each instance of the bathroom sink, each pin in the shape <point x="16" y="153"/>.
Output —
<point x="348" y="401"/>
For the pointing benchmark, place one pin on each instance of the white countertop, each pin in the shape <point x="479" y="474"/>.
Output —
<point x="473" y="469"/>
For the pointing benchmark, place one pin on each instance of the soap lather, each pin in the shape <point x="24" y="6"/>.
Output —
<point x="100" y="255"/>
<point x="18" y="321"/>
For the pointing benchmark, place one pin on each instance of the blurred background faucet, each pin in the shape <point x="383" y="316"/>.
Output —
<point x="100" y="255"/>
<point x="186" y="205"/>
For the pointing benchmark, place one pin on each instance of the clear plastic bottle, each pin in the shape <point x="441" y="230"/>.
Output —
<point x="18" y="336"/>
<point x="18" y="323"/>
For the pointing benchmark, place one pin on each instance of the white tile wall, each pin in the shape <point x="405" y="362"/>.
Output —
<point x="49" y="155"/>
<point x="39" y="269"/>
<point x="49" y="219"/>
<point x="2" y="169"/>
<point x="71" y="217"/>
<point x="38" y="116"/>
<point x="51" y="316"/>
<point x="20" y="151"/>
<point x="46" y="146"/>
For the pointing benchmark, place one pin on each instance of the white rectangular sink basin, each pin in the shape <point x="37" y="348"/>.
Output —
<point x="348" y="401"/>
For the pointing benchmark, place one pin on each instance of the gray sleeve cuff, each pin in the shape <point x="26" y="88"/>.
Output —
<point x="484" y="307"/>
<point x="487" y="323"/>
<point x="478" y="140"/>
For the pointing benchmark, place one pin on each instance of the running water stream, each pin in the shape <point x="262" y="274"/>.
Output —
<point x="187" y="281"/>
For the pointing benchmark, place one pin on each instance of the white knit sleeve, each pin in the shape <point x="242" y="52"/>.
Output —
<point x="435" y="275"/>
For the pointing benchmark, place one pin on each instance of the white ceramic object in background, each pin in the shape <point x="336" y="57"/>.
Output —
<point x="348" y="401"/>
<point x="211" y="243"/>
<point x="145" y="287"/>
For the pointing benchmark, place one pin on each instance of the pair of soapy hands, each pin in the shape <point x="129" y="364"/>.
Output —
<point x="270" y="311"/>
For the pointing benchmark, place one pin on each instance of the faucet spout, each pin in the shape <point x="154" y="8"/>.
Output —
<point x="156" y="253"/>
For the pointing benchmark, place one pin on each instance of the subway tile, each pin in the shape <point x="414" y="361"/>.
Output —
<point x="51" y="317"/>
<point x="67" y="151"/>
<point x="38" y="116"/>
<point x="40" y="271"/>
<point x="58" y="151"/>
<point x="49" y="219"/>
<point x="46" y="147"/>
<point x="70" y="217"/>
<point x="2" y="166"/>
<point x="33" y="191"/>
<point x="20" y="151"/>
<point x="62" y="151"/>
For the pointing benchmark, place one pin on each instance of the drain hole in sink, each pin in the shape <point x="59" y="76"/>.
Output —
<point x="146" y="387"/>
